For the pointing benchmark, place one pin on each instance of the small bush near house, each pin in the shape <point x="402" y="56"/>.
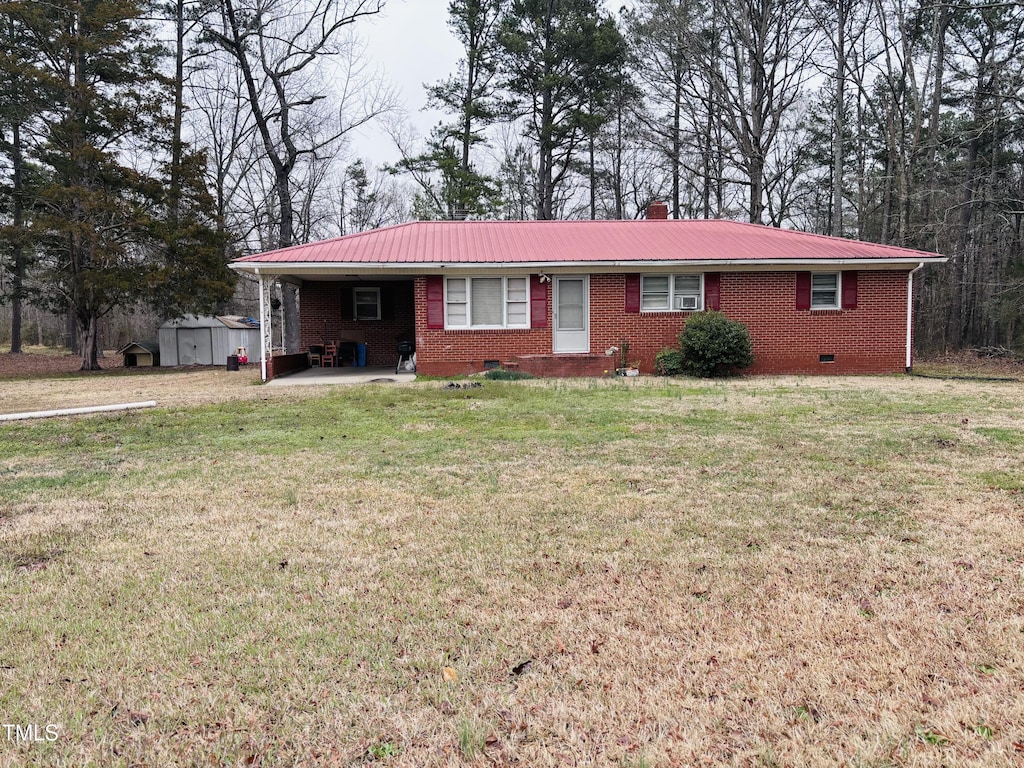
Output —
<point x="714" y="345"/>
<point x="669" y="362"/>
<point x="502" y="374"/>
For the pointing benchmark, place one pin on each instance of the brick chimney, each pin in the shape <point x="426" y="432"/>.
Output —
<point x="657" y="210"/>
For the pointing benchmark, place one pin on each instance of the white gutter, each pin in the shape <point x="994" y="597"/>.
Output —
<point x="77" y="411"/>
<point x="263" y="331"/>
<point x="910" y="313"/>
<point x="342" y="268"/>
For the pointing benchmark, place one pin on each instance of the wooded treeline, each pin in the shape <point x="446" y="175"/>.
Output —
<point x="894" y="121"/>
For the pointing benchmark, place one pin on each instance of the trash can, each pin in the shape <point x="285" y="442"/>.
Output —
<point x="360" y="355"/>
<point x="232" y="362"/>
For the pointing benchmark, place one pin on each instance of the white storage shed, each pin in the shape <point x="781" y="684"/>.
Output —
<point x="207" y="340"/>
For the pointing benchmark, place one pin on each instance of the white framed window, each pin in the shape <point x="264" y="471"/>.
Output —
<point x="825" y="288"/>
<point x="671" y="293"/>
<point x="487" y="302"/>
<point x="366" y="303"/>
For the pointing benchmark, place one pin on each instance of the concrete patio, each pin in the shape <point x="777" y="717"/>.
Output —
<point x="343" y="375"/>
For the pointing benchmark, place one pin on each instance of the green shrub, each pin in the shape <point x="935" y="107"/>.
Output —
<point x="502" y="374"/>
<point x="669" y="362"/>
<point x="714" y="345"/>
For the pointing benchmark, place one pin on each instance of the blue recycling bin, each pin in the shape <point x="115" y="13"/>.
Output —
<point x="360" y="355"/>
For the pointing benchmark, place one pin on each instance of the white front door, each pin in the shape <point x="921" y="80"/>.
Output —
<point x="572" y="314"/>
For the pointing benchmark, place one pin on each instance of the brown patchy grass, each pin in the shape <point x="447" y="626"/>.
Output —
<point x="169" y="387"/>
<point x="782" y="571"/>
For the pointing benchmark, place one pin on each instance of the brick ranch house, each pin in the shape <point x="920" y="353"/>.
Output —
<point x="552" y="297"/>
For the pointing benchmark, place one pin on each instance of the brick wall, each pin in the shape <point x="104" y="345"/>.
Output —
<point x="442" y="352"/>
<point x="325" y="312"/>
<point x="868" y="339"/>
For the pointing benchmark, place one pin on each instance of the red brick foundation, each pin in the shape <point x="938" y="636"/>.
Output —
<point x="564" y="366"/>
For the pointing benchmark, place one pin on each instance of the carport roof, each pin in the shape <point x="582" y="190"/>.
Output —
<point x="436" y="244"/>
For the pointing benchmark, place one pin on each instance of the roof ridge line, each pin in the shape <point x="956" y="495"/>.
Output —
<point x="818" y="235"/>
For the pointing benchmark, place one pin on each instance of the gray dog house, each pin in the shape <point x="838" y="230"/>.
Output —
<point x="207" y="340"/>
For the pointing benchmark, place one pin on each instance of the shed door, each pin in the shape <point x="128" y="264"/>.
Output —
<point x="195" y="346"/>
<point x="572" y="314"/>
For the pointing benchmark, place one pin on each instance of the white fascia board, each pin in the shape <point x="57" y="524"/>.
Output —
<point x="334" y="268"/>
<point x="362" y="268"/>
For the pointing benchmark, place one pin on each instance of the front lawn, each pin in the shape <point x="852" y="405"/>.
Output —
<point x="755" y="572"/>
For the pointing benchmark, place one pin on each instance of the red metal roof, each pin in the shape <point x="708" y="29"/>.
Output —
<point x="582" y="242"/>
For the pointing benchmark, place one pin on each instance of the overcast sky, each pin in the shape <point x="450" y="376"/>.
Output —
<point x="411" y="44"/>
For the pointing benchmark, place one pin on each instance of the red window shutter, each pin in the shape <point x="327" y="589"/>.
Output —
<point x="435" y="301"/>
<point x="712" y="290"/>
<point x="849" y="290"/>
<point x="538" y="303"/>
<point x="803" y="290"/>
<point x="632" y="293"/>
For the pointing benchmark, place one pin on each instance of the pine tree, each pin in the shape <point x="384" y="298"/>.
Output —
<point x="469" y="95"/>
<point x="21" y="107"/>
<point x="561" y="61"/>
<point x="114" y="226"/>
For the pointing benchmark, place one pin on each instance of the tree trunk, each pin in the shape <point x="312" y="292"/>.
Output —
<point x="545" y="173"/>
<point x="839" y="124"/>
<point x="755" y="170"/>
<point x="18" y="248"/>
<point x="677" y="149"/>
<point x="592" y="170"/>
<point x="939" y="33"/>
<point x="179" y="110"/>
<point x="87" y="344"/>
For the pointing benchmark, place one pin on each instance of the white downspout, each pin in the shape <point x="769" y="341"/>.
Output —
<point x="910" y="313"/>
<point x="263" y="331"/>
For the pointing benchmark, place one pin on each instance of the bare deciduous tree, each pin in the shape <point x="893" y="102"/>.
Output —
<point x="282" y="50"/>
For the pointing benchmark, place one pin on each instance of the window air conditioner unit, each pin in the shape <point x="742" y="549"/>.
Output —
<point x="686" y="302"/>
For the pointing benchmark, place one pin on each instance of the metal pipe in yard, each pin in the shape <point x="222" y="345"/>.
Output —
<point x="77" y="411"/>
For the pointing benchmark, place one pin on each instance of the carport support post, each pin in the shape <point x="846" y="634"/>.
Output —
<point x="266" y="332"/>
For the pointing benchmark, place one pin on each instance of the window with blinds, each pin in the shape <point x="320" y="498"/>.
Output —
<point x="825" y="290"/>
<point x="487" y="302"/>
<point x="666" y="293"/>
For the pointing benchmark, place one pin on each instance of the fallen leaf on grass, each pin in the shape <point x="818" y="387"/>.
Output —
<point x="518" y="669"/>
<point x="450" y="675"/>
<point x="595" y="646"/>
<point x="865" y="607"/>
<point x="138" y="718"/>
